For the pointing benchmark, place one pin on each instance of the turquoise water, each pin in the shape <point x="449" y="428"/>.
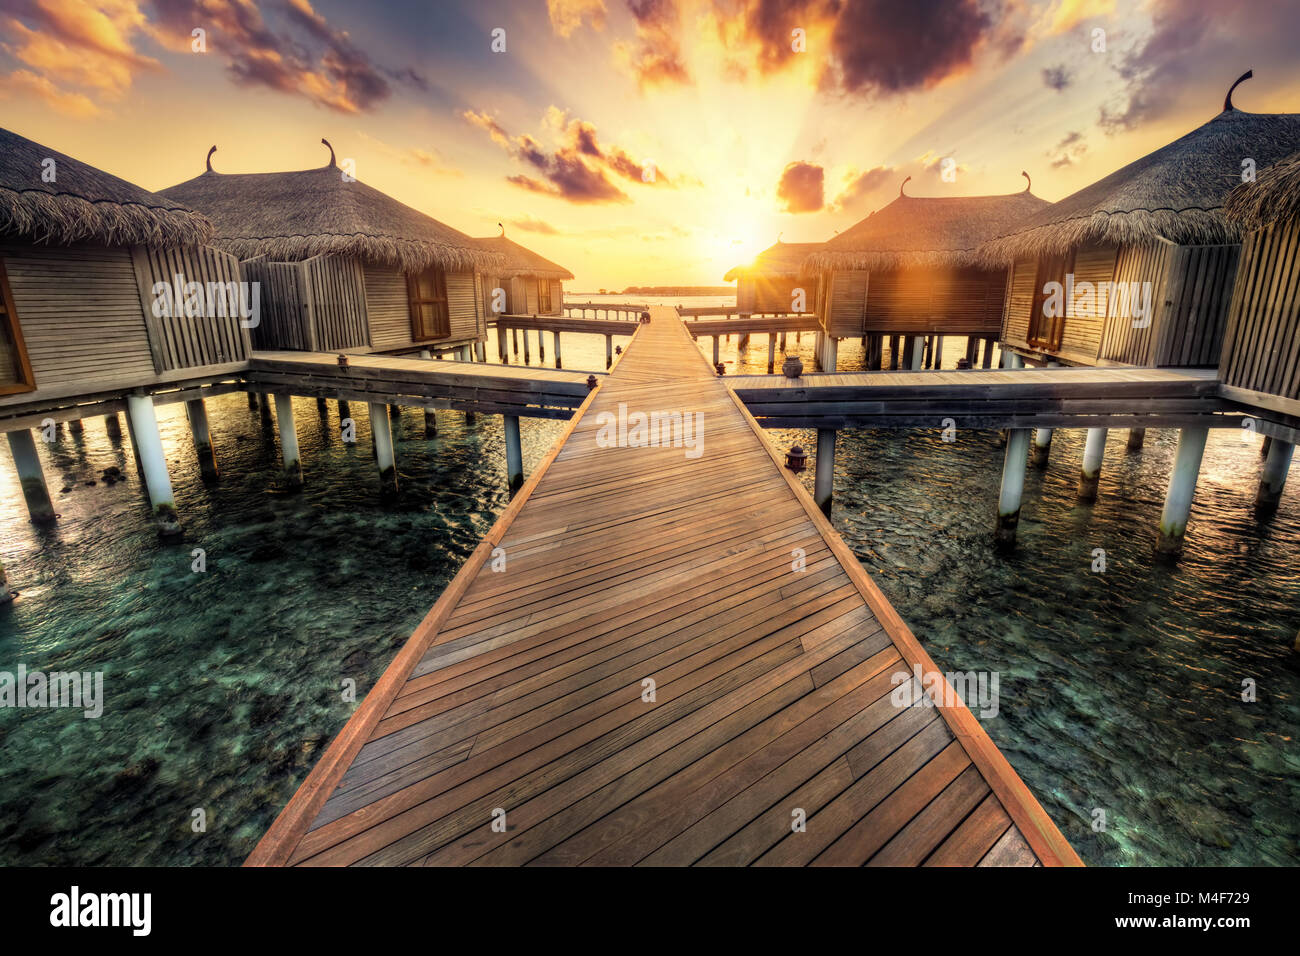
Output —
<point x="1118" y="691"/>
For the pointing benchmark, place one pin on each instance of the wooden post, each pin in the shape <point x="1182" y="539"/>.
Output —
<point x="609" y="351"/>
<point x="430" y="422"/>
<point x="252" y="400"/>
<point x="1136" y="436"/>
<point x="345" y="412"/>
<point x="972" y="350"/>
<point x="75" y="427"/>
<point x="197" y="412"/>
<point x="771" y="352"/>
<point x="831" y="351"/>
<point x="1043" y="439"/>
<point x="988" y="353"/>
<point x="781" y="342"/>
<point x="113" y="425"/>
<point x="893" y="352"/>
<point x="383" y="438"/>
<point x="501" y="345"/>
<point x="289" y="454"/>
<point x="1013" y="488"/>
<point x="824" y="479"/>
<point x="541" y="348"/>
<point x="264" y="406"/>
<point x="527" y="355"/>
<point x="1094" y="448"/>
<point x="555" y="339"/>
<point x="918" y="347"/>
<point x="514" y="341"/>
<point x="31" y="476"/>
<point x="1273" y="478"/>
<point x="938" y="353"/>
<point x="467" y="354"/>
<point x="716" y="340"/>
<point x="514" y="452"/>
<point x="1182" y="485"/>
<point x="323" y="409"/>
<point x="480" y="349"/>
<point x="1265" y="446"/>
<point x="153" y="462"/>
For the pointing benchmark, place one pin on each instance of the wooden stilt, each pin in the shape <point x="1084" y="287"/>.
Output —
<point x="290" y="457"/>
<point x="1272" y="479"/>
<point x="146" y="437"/>
<point x="31" y="476"/>
<point x="1013" y="488"/>
<point x="383" y="439"/>
<point x="1136" y="436"/>
<point x="824" y="479"/>
<point x="514" y="452"/>
<point x="1182" y="486"/>
<point x="197" y="412"/>
<point x="1094" y="448"/>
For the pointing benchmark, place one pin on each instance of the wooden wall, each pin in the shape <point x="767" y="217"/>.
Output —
<point x="1198" y="297"/>
<point x="1019" y="302"/>
<point x="80" y="313"/>
<point x="1125" y="340"/>
<point x="1261" y="349"/>
<point x="776" y="293"/>
<point x="906" y="301"/>
<point x="336" y="292"/>
<point x="185" y="341"/>
<point x="390" y="316"/>
<point x="283" y="323"/>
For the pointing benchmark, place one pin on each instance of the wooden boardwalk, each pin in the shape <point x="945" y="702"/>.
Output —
<point x="524" y="690"/>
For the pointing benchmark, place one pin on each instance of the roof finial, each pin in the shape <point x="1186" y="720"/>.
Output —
<point x="327" y="143"/>
<point x="1029" y="181"/>
<point x="904" y="183"/>
<point x="209" y="160"/>
<point x="1227" y="100"/>
<point x="503" y="230"/>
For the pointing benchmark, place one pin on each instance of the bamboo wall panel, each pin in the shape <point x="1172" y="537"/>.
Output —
<point x="1261" y="350"/>
<point x="530" y="290"/>
<point x="192" y="341"/>
<point x="1086" y="319"/>
<point x="1125" y="340"/>
<point x="387" y="307"/>
<point x="1020" y="302"/>
<point x="337" y="289"/>
<point x="847" y="302"/>
<point x="462" y="304"/>
<point x="80" y="312"/>
<point x="286" y="308"/>
<point x="950" y="301"/>
<point x="1193" y="324"/>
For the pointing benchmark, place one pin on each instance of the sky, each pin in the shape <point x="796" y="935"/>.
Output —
<point x="641" y="142"/>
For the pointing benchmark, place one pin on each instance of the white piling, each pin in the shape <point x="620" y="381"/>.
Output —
<point x="31" y="476"/>
<point x="1013" y="487"/>
<point x="1094" y="448"/>
<point x="153" y="462"/>
<point x="1182" y="485"/>
<point x="289" y="453"/>
<point x="514" y="452"/>
<point x="383" y="438"/>
<point x="197" y="412"/>
<point x="1272" y="479"/>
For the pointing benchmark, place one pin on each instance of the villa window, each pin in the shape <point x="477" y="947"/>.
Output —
<point x="15" y="367"/>
<point x="1046" y="331"/>
<point x="427" y="292"/>
<point x="544" y="296"/>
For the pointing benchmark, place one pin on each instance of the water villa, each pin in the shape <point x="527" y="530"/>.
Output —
<point x="93" y="322"/>
<point x="529" y="284"/>
<point x="911" y="269"/>
<point x="774" y="283"/>
<point x="344" y="267"/>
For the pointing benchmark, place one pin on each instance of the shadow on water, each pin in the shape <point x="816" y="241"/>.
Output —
<point x="1119" y="691"/>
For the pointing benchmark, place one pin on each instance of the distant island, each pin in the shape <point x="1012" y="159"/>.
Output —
<point x="680" y="290"/>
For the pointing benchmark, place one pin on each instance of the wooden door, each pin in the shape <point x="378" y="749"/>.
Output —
<point x="427" y="293"/>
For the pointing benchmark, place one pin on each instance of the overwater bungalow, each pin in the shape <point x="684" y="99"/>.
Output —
<point x="1138" y="268"/>
<point x="1260" y="364"/>
<point x="774" y="282"/>
<point x="107" y="296"/>
<point x="343" y="266"/>
<point x="529" y="284"/>
<point x="911" y="269"/>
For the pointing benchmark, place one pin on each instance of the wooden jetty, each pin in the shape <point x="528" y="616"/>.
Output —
<point x="631" y="668"/>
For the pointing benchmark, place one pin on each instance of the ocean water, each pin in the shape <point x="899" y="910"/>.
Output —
<point x="1119" y="691"/>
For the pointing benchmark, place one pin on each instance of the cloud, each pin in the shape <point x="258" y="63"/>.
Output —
<point x="802" y="187"/>
<point x="568" y="15"/>
<point x="529" y="224"/>
<point x="1068" y="150"/>
<point x="575" y="170"/>
<point x="873" y="46"/>
<point x="26" y="84"/>
<point x="75" y="50"/>
<point x="656" y="58"/>
<point x="1056" y="77"/>
<point x="861" y="185"/>
<point x="302" y="55"/>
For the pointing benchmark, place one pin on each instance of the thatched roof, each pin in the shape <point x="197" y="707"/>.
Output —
<point x="520" y="261"/>
<point x="84" y="204"/>
<point x="296" y="215"/>
<point x="923" y="231"/>
<point x="1176" y="193"/>
<point x="783" y="260"/>
<point x="1274" y="195"/>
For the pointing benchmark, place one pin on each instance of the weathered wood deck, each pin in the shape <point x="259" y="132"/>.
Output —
<point x="522" y="690"/>
<point x="465" y="386"/>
